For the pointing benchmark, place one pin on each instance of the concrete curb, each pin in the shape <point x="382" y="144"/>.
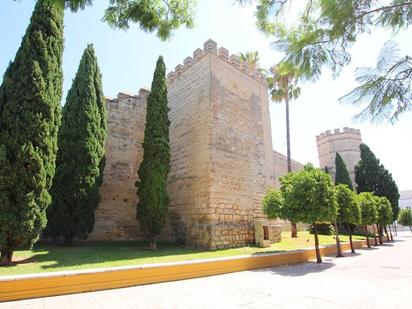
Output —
<point x="60" y="283"/>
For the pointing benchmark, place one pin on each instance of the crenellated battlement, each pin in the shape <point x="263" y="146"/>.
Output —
<point x="210" y="46"/>
<point x="346" y="142"/>
<point x="221" y="154"/>
<point x="346" y="130"/>
<point x="143" y="93"/>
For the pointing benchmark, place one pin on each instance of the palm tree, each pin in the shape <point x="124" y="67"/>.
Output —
<point x="282" y="84"/>
<point x="251" y="58"/>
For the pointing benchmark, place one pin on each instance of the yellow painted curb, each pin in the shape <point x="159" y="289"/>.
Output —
<point x="51" y="284"/>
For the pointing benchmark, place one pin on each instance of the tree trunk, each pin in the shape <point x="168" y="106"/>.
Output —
<point x="390" y="232"/>
<point x="374" y="234"/>
<point x="6" y="257"/>
<point x="318" y="257"/>
<point x="293" y="230"/>
<point x="338" y="247"/>
<point x="394" y="227"/>
<point x="387" y="234"/>
<point x="289" y="159"/>
<point x="380" y="233"/>
<point x="153" y="245"/>
<point x="348" y="227"/>
<point x="367" y="236"/>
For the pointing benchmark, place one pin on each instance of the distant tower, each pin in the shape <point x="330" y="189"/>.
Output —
<point x="346" y="143"/>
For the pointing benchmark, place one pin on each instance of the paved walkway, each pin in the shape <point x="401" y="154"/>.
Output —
<point x="372" y="278"/>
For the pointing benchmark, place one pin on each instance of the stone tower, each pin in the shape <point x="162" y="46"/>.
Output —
<point x="221" y="154"/>
<point x="345" y="142"/>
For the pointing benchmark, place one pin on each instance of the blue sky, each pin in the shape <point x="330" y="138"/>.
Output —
<point x="127" y="60"/>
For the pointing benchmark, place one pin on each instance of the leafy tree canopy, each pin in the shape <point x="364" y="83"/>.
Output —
<point x="385" y="88"/>
<point x="405" y="217"/>
<point x="384" y="211"/>
<point x="309" y="196"/>
<point x="367" y="204"/>
<point x="162" y="16"/>
<point x="349" y="209"/>
<point x="282" y="82"/>
<point x="273" y="203"/>
<point x="323" y="36"/>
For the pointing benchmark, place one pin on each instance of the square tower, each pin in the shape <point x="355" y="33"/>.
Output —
<point x="221" y="148"/>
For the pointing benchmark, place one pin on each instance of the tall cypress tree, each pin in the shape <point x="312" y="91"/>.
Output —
<point x="29" y="118"/>
<point x="367" y="170"/>
<point x="79" y="165"/>
<point x="342" y="175"/>
<point x="371" y="176"/>
<point x="153" y="171"/>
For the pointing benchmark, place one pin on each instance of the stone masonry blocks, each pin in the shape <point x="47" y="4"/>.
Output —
<point x="221" y="155"/>
<point x="346" y="142"/>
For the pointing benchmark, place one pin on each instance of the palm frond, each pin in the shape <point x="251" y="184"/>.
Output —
<point x="386" y="88"/>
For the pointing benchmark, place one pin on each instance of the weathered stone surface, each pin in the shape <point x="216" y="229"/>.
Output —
<point x="116" y="214"/>
<point x="275" y="232"/>
<point x="221" y="153"/>
<point x="221" y="156"/>
<point x="345" y="142"/>
<point x="262" y="233"/>
<point x="281" y="166"/>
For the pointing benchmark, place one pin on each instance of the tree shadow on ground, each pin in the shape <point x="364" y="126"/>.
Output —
<point x="21" y="261"/>
<point x="58" y="256"/>
<point x="297" y="270"/>
<point x="302" y="269"/>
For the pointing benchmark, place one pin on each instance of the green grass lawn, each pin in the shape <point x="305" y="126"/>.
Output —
<point x="48" y="258"/>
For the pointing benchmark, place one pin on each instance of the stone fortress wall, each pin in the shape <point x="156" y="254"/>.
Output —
<point x="281" y="167"/>
<point x="116" y="214"/>
<point x="345" y="142"/>
<point x="221" y="154"/>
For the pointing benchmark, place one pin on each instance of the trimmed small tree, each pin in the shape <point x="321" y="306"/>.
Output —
<point x="273" y="203"/>
<point x="152" y="187"/>
<point x="30" y="96"/>
<point x="349" y="210"/>
<point x="342" y="175"/>
<point x="384" y="216"/>
<point x="368" y="212"/>
<point x="405" y="218"/>
<point x="80" y="158"/>
<point x="309" y="197"/>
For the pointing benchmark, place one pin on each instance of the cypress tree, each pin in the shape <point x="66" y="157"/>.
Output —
<point x="153" y="171"/>
<point x="342" y="175"/>
<point x="367" y="170"/>
<point x="30" y="97"/>
<point x="372" y="176"/>
<point x="79" y="165"/>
